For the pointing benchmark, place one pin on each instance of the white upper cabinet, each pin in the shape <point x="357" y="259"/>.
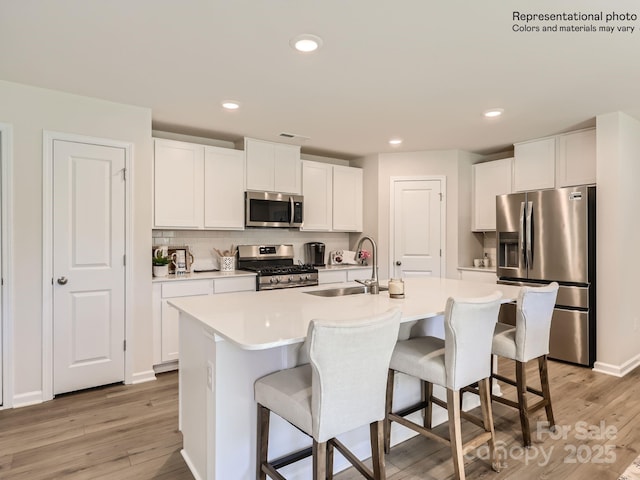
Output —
<point x="224" y="177"/>
<point x="347" y="199"/>
<point x="489" y="179"/>
<point x="332" y="197"/>
<point x="576" y="162"/>
<point x="197" y="186"/>
<point x="534" y="166"/>
<point x="317" y="188"/>
<point x="273" y="167"/>
<point x="178" y="186"/>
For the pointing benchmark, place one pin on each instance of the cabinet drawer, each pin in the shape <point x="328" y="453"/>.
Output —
<point x="332" y="276"/>
<point x="237" y="284"/>
<point x="186" y="288"/>
<point x="360" y="274"/>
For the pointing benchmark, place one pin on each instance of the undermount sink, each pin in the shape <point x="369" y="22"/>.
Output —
<point x="339" y="292"/>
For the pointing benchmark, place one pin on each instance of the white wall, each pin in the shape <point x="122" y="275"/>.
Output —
<point x="618" y="239"/>
<point x="31" y="110"/>
<point x="453" y="164"/>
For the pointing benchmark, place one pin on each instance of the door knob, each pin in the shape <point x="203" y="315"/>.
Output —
<point x="63" y="280"/>
<point x="398" y="262"/>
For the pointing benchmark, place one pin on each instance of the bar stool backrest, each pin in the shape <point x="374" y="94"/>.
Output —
<point x="533" y="321"/>
<point x="350" y="363"/>
<point x="468" y="328"/>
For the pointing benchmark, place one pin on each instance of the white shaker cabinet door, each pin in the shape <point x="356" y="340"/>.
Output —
<point x="489" y="180"/>
<point x="534" y="166"/>
<point x="576" y="163"/>
<point x="347" y="199"/>
<point x="317" y="181"/>
<point x="178" y="184"/>
<point x="287" y="169"/>
<point x="259" y="156"/>
<point x="224" y="172"/>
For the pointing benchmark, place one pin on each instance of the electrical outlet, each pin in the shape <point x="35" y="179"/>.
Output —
<point x="210" y="376"/>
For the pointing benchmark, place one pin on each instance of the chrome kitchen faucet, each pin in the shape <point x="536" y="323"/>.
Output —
<point x="372" y="284"/>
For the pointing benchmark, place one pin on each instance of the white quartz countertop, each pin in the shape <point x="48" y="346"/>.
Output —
<point x="478" y="269"/>
<point x="268" y="319"/>
<point x="203" y="276"/>
<point x="345" y="266"/>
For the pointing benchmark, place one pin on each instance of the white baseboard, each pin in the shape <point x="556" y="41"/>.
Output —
<point x="166" y="367"/>
<point x="142" y="377"/>
<point x="189" y="463"/>
<point x="29" y="398"/>
<point x="617" y="370"/>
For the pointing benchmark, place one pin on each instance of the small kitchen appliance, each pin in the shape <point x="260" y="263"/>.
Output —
<point x="314" y="253"/>
<point x="274" y="267"/>
<point x="275" y="210"/>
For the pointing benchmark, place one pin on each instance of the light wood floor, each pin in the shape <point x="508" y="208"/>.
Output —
<point x="130" y="432"/>
<point x="117" y="432"/>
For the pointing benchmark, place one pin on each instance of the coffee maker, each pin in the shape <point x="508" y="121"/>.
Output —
<point x="314" y="253"/>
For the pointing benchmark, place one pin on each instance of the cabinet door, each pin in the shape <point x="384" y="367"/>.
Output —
<point x="169" y="327"/>
<point x="224" y="188"/>
<point x="489" y="179"/>
<point x="260" y="158"/>
<point x="178" y="184"/>
<point x="331" y="276"/>
<point x="317" y="180"/>
<point x="286" y="166"/>
<point x="534" y="165"/>
<point x="347" y="199"/>
<point x="477" y="276"/>
<point x="576" y="163"/>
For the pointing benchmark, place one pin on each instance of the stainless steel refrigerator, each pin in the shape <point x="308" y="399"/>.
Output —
<point x="545" y="236"/>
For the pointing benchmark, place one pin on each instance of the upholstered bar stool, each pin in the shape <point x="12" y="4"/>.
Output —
<point x="461" y="359"/>
<point x="340" y="389"/>
<point x="528" y="340"/>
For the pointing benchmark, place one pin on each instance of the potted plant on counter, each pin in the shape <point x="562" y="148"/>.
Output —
<point x="160" y="264"/>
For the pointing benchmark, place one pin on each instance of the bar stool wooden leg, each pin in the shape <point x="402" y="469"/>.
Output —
<point x="427" y="393"/>
<point x="388" y="410"/>
<point x="377" y="450"/>
<point x="455" y="432"/>
<point x="263" y="441"/>
<point x="484" y="389"/>
<point x="546" y="392"/>
<point x="523" y="408"/>
<point x="319" y="460"/>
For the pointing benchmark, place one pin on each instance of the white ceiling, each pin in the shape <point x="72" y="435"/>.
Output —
<point x="422" y="70"/>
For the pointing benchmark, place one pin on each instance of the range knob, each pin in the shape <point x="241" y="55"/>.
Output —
<point x="292" y="278"/>
<point x="274" y="279"/>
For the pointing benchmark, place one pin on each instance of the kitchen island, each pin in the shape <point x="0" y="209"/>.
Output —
<point x="228" y="341"/>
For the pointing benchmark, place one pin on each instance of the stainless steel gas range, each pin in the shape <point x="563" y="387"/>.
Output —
<point x="274" y="267"/>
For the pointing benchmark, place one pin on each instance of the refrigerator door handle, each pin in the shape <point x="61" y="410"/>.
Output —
<point x="528" y="235"/>
<point x="521" y="242"/>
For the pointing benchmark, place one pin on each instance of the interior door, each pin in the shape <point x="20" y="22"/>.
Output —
<point x="88" y="265"/>
<point x="416" y="228"/>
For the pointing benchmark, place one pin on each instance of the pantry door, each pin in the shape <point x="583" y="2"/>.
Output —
<point x="417" y="227"/>
<point x="88" y="265"/>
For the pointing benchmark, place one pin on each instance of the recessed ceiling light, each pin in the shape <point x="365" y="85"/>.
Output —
<point x="230" y="105"/>
<point x="395" y="141"/>
<point x="493" y="112"/>
<point x="306" y="43"/>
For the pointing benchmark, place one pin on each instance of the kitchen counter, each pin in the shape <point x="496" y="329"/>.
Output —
<point x="345" y="267"/>
<point x="228" y="341"/>
<point x="478" y="269"/>
<point x="203" y="276"/>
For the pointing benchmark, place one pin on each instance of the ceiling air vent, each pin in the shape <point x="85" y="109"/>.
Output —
<point x="293" y="136"/>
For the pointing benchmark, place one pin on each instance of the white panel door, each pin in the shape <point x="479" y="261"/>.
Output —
<point x="88" y="265"/>
<point x="416" y="225"/>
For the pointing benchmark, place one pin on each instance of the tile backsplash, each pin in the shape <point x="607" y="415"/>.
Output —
<point x="489" y="247"/>
<point x="202" y="242"/>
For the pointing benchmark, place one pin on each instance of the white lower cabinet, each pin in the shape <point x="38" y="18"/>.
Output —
<point x="165" y="321"/>
<point x="478" y="276"/>
<point x="343" y="275"/>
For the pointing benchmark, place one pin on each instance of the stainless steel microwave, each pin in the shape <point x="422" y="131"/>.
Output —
<point x="268" y="209"/>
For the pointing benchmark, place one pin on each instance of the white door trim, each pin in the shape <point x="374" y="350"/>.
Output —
<point x="47" y="241"/>
<point x="443" y="216"/>
<point x="6" y="161"/>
